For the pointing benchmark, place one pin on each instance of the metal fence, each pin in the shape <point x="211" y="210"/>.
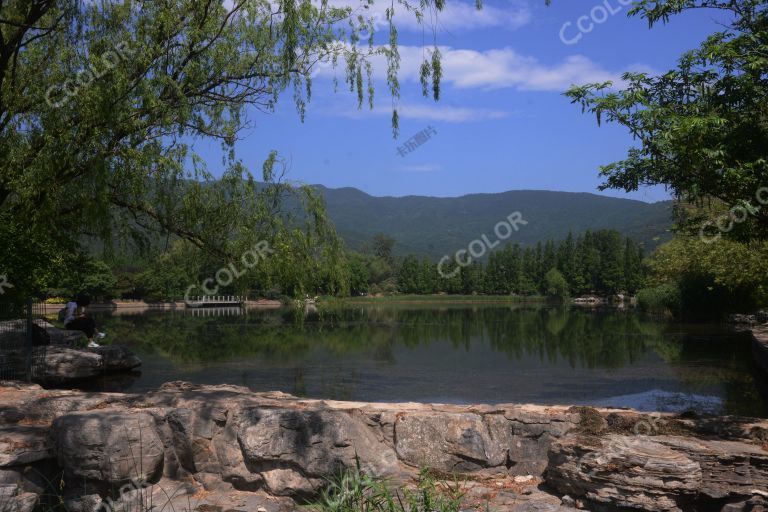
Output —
<point x="22" y="340"/>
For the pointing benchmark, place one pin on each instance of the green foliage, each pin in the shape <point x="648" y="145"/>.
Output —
<point x="359" y="274"/>
<point x="99" y="102"/>
<point x="701" y="128"/>
<point x="382" y="247"/>
<point x="31" y="259"/>
<point x="431" y="226"/>
<point x="168" y="275"/>
<point x="713" y="278"/>
<point x="556" y="285"/>
<point x="417" y="276"/>
<point x="96" y="279"/>
<point x="595" y="262"/>
<point x="354" y="491"/>
<point x="702" y="131"/>
<point x="660" y="299"/>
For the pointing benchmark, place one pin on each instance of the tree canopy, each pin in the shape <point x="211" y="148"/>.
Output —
<point x="701" y="128"/>
<point x="101" y="104"/>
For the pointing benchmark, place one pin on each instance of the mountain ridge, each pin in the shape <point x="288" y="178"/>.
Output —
<point x="534" y="190"/>
<point x="433" y="226"/>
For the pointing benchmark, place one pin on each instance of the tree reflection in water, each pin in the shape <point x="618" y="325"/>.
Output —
<point x="411" y="352"/>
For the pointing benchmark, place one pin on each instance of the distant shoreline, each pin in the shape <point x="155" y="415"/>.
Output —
<point x="448" y="299"/>
<point x="140" y="305"/>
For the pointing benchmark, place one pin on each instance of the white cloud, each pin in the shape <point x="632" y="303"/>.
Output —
<point x="496" y="68"/>
<point x="456" y="16"/>
<point x="504" y="67"/>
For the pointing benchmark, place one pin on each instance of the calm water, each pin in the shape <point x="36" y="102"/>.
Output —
<point x="451" y="354"/>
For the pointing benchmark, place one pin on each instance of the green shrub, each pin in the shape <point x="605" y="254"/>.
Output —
<point x="556" y="285"/>
<point x="354" y="491"/>
<point x="665" y="298"/>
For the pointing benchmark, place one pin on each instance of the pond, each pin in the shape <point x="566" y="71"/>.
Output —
<point x="449" y="354"/>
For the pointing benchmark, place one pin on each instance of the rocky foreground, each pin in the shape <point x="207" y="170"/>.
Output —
<point x="224" y="448"/>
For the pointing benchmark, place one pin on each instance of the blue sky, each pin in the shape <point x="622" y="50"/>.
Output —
<point x="502" y="122"/>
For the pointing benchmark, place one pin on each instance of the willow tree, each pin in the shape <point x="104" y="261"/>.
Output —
<point x="101" y="102"/>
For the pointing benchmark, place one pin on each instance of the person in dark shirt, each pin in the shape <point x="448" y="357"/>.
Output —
<point x="75" y="319"/>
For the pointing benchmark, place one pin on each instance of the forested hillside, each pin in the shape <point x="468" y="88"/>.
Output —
<point x="433" y="227"/>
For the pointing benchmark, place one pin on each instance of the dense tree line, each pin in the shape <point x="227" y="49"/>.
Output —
<point x="700" y="130"/>
<point x="99" y="103"/>
<point x="600" y="262"/>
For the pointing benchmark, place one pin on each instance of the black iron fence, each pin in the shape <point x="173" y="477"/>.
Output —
<point x="22" y="340"/>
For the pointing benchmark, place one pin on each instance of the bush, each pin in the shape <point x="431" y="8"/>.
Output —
<point x="713" y="279"/>
<point x="665" y="298"/>
<point x="556" y="285"/>
<point x="354" y="491"/>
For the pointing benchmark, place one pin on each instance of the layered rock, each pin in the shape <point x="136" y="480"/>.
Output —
<point x="760" y="317"/>
<point x="46" y="333"/>
<point x="295" y="450"/>
<point x="108" y="446"/>
<point x="259" y="449"/>
<point x="61" y="364"/>
<point x="55" y="356"/>
<point x="658" y="473"/>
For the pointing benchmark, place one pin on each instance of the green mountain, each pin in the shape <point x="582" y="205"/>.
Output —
<point x="434" y="226"/>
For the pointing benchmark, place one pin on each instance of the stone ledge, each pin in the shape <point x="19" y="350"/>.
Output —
<point x="229" y="439"/>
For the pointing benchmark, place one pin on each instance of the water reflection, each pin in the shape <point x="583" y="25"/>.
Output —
<point x="452" y="354"/>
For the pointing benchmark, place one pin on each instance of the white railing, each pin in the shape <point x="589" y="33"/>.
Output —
<point x="216" y="299"/>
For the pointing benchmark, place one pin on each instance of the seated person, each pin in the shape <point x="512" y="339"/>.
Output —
<point x="75" y="319"/>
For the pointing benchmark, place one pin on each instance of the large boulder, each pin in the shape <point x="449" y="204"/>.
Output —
<point x="116" y="357"/>
<point x="447" y="442"/>
<point x="60" y="364"/>
<point x="511" y="441"/>
<point x="109" y="446"/>
<point x="225" y="442"/>
<point x="296" y="449"/>
<point x="656" y="473"/>
<point x="525" y="435"/>
<point x="45" y="333"/>
<point x="14" y="499"/>
<point x="24" y="444"/>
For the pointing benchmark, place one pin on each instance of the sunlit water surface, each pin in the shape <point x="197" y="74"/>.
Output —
<point x="449" y="354"/>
